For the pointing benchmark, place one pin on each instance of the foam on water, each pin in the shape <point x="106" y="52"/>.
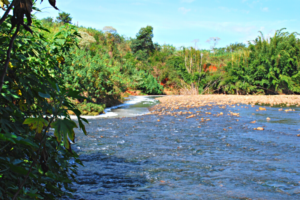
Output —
<point x="141" y="158"/>
<point x="132" y="100"/>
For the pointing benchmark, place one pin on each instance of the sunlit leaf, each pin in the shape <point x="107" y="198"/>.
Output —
<point x="36" y="123"/>
<point x="8" y="137"/>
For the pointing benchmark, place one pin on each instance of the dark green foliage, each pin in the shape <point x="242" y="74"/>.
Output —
<point x="101" y="77"/>
<point x="268" y="67"/>
<point x="122" y="63"/>
<point x="93" y="74"/>
<point x="177" y="63"/>
<point x="143" y="46"/>
<point x="157" y="47"/>
<point x="64" y="18"/>
<point x="33" y="98"/>
<point x="141" y="55"/>
<point x="146" y="82"/>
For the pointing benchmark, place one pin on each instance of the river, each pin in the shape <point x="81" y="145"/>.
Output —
<point x="131" y="155"/>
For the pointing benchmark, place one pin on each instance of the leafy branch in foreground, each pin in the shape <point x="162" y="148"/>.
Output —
<point x="21" y="8"/>
<point x="34" y="162"/>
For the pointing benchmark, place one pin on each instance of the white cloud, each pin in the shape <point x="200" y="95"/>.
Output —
<point x="187" y="1"/>
<point x="265" y="9"/>
<point x="184" y="10"/>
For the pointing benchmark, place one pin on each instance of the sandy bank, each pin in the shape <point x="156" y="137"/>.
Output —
<point x="175" y="102"/>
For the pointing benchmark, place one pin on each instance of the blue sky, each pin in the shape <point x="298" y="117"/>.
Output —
<point x="179" y="22"/>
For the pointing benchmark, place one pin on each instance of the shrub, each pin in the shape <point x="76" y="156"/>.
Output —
<point x="90" y="108"/>
<point x="269" y="66"/>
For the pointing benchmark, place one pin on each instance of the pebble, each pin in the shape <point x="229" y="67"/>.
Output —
<point x="261" y="108"/>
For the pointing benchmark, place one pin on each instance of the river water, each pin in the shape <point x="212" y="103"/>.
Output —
<point x="128" y="155"/>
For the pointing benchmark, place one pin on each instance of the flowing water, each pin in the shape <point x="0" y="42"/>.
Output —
<point x="139" y="157"/>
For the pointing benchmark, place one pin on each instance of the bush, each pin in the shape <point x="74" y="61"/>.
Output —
<point x="35" y="163"/>
<point x="90" y="108"/>
<point x="269" y="66"/>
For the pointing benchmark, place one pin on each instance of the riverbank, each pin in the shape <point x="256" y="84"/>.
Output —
<point x="131" y="107"/>
<point x="192" y="101"/>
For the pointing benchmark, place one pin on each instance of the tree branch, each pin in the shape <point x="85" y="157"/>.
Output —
<point x="7" y="12"/>
<point x="11" y="44"/>
<point x="209" y="85"/>
<point x="274" y="92"/>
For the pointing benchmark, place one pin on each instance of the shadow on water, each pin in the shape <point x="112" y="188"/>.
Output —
<point x="109" y="177"/>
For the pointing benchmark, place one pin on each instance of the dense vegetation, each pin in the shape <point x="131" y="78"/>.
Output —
<point x="55" y="69"/>
<point x="107" y="65"/>
<point x="103" y="66"/>
<point x="34" y="161"/>
<point x="267" y="66"/>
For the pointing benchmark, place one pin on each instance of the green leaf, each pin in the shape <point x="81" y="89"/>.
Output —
<point x="36" y="123"/>
<point x="64" y="128"/>
<point x="27" y="142"/>
<point x="44" y="95"/>
<point x="75" y="94"/>
<point x="36" y="52"/>
<point x="8" y="137"/>
<point x="81" y="125"/>
<point x="57" y="87"/>
<point x="8" y="98"/>
<point x="18" y="169"/>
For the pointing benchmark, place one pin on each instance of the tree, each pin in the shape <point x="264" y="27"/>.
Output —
<point x="110" y="43"/>
<point x="34" y="162"/>
<point x="143" y="45"/>
<point x="64" y="17"/>
<point x="157" y="47"/>
<point x="235" y="47"/>
<point x="47" y="20"/>
<point x="109" y="29"/>
<point x="268" y="66"/>
<point x="214" y="41"/>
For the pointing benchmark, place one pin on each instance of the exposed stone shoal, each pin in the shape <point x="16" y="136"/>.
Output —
<point x="192" y="101"/>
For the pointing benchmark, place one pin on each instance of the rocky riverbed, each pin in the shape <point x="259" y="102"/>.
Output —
<point x="195" y="147"/>
<point x="174" y="102"/>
